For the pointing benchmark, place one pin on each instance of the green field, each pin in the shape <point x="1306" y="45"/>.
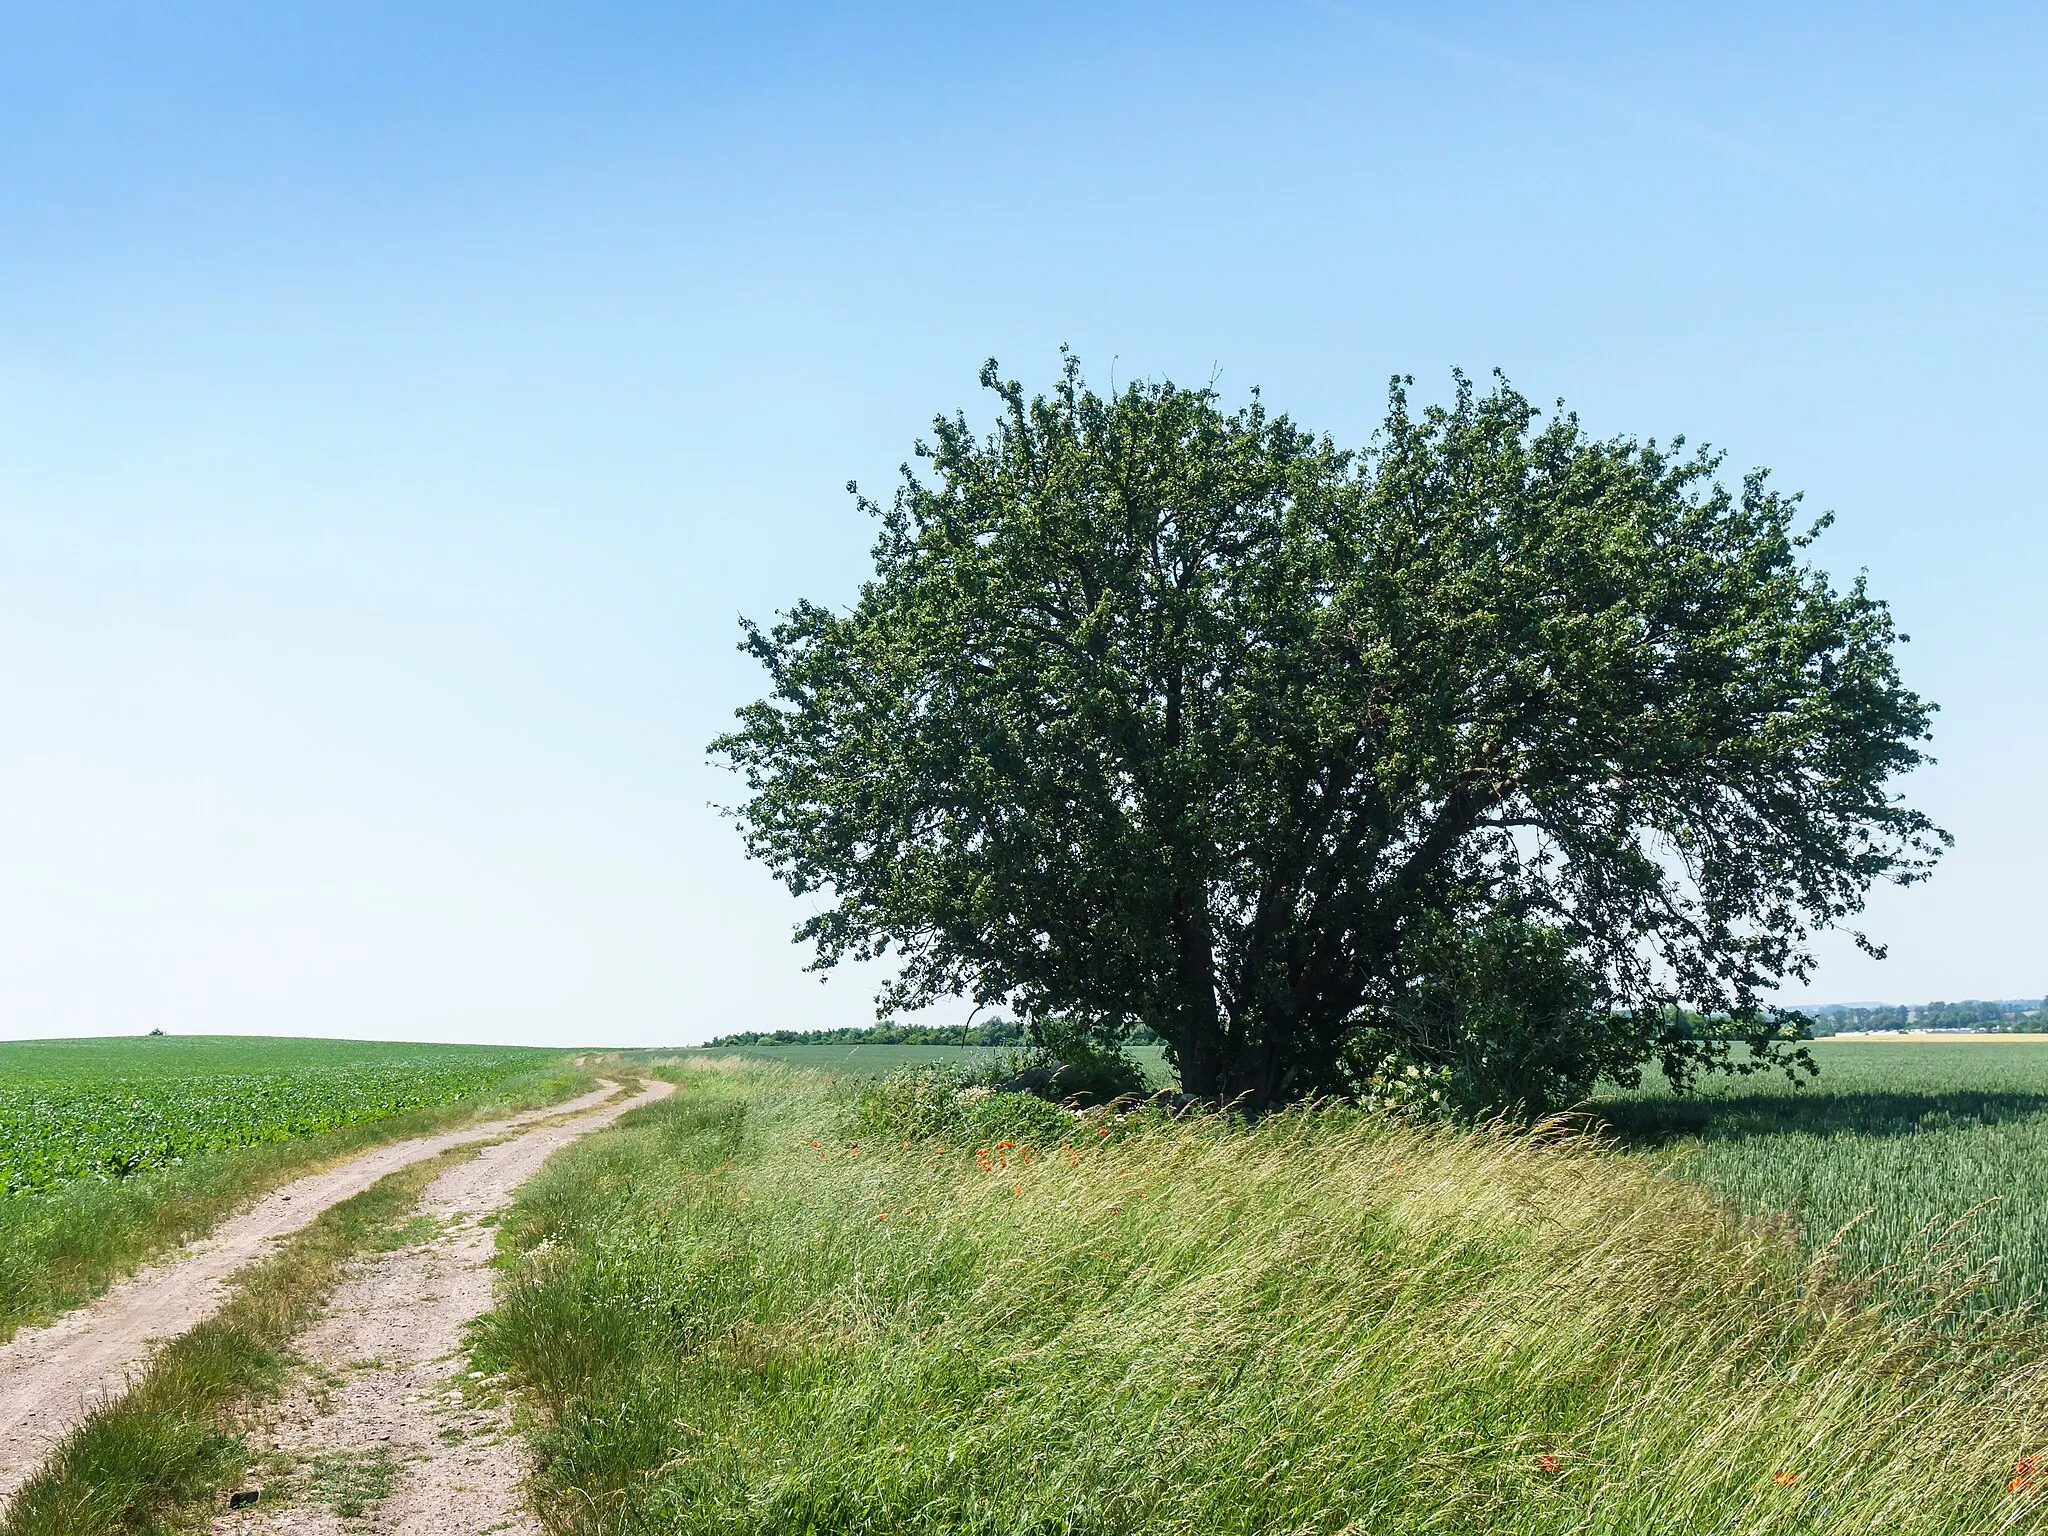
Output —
<point x="112" y="1151"/>
<point x="790" y="1300"/>
<point x="113" y="1108"/>
<point x="1914" y="1143"/>
<point x="879" y="1060"/>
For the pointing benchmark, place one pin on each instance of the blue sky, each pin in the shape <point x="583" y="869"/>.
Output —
<point x="398" y="404"/>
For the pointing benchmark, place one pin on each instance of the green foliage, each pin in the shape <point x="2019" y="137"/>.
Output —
<point x="1505" y="1017"/>
<point x="1317" y="1322"/>
<point x="109" y="1110"/>
<point x="950" y="1106"/>
<point x="1158" y="716"/>
<point x="1083" y="1065"/>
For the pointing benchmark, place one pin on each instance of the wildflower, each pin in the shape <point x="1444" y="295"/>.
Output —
<point x="2018" y="1485"/>
<point x="1003" y="1146"/>
<point x="1548" y="1464"/>
<point x="1016" y="1189"/>
<point x="814" y="1143"/>
<point x="881" y="1215"/>
<point x="1784" y="1479"/>
<point x="1103" y="1132"/>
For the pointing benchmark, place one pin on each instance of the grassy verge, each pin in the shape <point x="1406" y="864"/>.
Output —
<point x="65" y="1247"/>
<point x="732" y="1320"/>
<point x="157" y="1458"/>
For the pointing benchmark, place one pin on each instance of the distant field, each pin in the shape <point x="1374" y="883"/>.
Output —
<point x="876" y="1060"/>
<point x="1917" y="1134"/>
<point x="111" y="1108"/>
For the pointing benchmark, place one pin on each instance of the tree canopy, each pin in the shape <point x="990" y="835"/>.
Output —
<point x="1490" y="751"/>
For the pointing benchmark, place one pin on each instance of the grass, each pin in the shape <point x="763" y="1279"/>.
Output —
<point x="158" y="1457"/>
<point x="63" y="1246"/>
<point x="732" y="1320"/>
<point x="1919" y="1145"/>
<point x="351" y="1483"/>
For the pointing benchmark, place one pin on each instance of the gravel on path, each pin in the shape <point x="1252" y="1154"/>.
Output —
<point x="382" y="1430"/>
<point x="53" y="1377"/>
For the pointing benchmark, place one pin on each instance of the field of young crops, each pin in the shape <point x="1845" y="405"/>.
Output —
<point x="110" y="1108"/>
<point x="1910" y="1142"/>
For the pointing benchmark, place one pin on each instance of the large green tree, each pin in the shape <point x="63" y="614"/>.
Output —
<point x="1491" y="748"/>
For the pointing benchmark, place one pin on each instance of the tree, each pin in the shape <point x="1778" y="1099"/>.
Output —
<point x="1313" y="759"/>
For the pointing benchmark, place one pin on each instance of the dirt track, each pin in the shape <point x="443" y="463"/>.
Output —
<point x="376" y="1431"/>
<point x="51" y="1377"/>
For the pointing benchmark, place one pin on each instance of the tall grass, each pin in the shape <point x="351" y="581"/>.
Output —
<point x="732" y="1320"/>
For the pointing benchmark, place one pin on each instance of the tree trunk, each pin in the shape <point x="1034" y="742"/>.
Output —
<point x="1198" y="1036"/>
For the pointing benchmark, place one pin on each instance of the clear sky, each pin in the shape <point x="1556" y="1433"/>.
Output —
<point x="399" y="404"/>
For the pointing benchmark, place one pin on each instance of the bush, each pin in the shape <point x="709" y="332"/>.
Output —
<point x="953" y="1104"/>
<point x="1502" y="1018"/>
<point x="1083" y="1066"/>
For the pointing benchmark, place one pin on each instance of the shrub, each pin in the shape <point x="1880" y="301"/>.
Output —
<point x="953" y="1104"/>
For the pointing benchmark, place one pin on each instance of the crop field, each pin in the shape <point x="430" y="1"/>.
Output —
<point x="108" y="1109"/>
<point x="1921" y="1150"/>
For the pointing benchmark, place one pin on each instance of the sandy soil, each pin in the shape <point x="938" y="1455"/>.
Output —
<point x="51" y="1377"/>
<point x="376" y="1434"/>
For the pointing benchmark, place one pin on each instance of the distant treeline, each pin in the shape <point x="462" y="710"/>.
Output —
<point x="993" y="1032"/>
<point x="2001" y="1014"/>
<point x="1831" y="1019"/>
<point x="996" y="1032"/>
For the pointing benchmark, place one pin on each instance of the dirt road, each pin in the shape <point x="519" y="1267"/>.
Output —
<point x="51" y="1377"/>
<point x="375" y="1433"/>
